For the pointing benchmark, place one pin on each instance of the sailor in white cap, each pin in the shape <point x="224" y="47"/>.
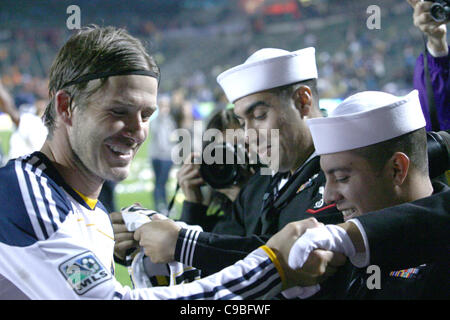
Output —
<point x="374" y="154"/>
<point x="274" y="90"/>
<point x="390" y="171"/>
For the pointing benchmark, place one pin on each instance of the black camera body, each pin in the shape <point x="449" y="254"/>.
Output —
<point x="233" y="166"/>
<point x="438" y="149"/>
<point x="440" y="10"/>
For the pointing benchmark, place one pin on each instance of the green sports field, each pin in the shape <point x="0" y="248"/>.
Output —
<point x="138" y="187"/>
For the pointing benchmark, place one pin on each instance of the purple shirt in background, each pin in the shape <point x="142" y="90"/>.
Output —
<point x="439" y="69"/>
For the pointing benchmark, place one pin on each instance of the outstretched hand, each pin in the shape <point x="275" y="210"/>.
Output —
<point x="436" y="32"/>
<point x="320" y="264"/>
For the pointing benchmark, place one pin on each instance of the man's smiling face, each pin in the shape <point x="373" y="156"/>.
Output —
<point x="264" y="112"/>
<point x="107" y="133"/>
<point x="354" y="185"/>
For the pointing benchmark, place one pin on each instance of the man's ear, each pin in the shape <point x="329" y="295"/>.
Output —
<point x="303" y="100"/>
<point x="399" y="167"/>
<point x="62" y="107"/>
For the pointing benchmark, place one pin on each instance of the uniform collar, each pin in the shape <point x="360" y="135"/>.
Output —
<point x="52" y="173"/>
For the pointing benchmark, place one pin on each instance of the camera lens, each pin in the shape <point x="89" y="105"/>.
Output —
<point x="439" y="13"/>
<point x="224" y="170"/>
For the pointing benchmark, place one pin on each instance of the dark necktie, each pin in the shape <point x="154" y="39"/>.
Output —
<point x="268" y="212"/>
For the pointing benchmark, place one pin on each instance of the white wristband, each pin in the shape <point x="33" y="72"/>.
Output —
<point x="329" y="237"/>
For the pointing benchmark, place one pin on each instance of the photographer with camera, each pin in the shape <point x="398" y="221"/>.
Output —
<point x="431" y="74"/>
<point x="213" y="212"/>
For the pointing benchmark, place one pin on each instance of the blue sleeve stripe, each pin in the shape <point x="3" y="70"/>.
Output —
<point x="56" y="209"/>
<point x="36" y="199"/>
<point x="56" y="203"/>
<point x="51" y="214"/>
<point x="266" y="288"/>
<point x="54" y="212"/>
<point x="268" y="275"/>
<point x="45" y="216"/>
<point x="37" y="169"/>
<point x="27" y="199"/>
<point x="236" y="285"/>
<point x="258" y="288"/>
<point x="48" y="201"/>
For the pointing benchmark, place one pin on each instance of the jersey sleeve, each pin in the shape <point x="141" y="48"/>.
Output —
<point x="61" y="268"/>
<point x="254" y="277"/>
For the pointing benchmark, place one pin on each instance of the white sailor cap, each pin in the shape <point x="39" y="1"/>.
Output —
<point x="266" y="69"/>
<point x="364" y="119"/>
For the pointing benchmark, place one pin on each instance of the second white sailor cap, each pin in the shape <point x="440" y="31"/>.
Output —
<point x="364" y="119"/>
<point x="266" y="69"/>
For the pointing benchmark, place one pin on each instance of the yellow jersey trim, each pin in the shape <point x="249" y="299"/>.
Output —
<point x="89" y="201"/>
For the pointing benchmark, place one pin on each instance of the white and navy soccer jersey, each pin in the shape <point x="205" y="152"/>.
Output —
<point x="55" y="244"/>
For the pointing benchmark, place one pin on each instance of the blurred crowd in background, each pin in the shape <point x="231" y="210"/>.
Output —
<point x="193" y="41"/>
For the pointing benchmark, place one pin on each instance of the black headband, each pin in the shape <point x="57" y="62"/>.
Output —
<point x="100" y="75"/>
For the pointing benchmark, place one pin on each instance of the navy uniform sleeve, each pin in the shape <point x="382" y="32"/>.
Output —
<point x="417" y="232"/>
<point x="211" y="252"/>
<point x="196" y="214"/>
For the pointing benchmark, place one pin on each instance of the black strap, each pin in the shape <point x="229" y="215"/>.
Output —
<point x="100" y="75"/>
<point x="269" y="209"/>
<point x="272" y="191"/>
<point x="430" y="94"/>
<point x="173" y="200"/>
